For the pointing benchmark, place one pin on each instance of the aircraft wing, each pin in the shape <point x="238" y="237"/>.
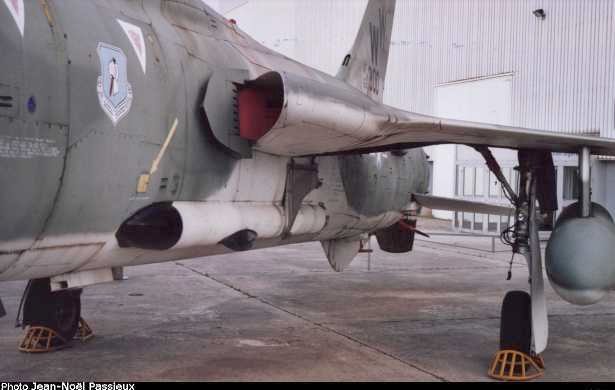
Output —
<point x="310" y="117"/>
<point x="426" y="130"/>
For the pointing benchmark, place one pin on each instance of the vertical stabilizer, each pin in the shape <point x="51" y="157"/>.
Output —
<point x="365" y="67"/>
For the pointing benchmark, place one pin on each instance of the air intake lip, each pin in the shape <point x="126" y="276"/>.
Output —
<point x="157" y="227"/>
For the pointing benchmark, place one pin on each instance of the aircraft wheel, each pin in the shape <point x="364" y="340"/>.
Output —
<point x="516" y="322"/>
<point x="59" y="311"/>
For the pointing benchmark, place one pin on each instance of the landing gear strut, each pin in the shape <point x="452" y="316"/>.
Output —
<point x="524" y="323"/>
<point x="51" y="319"/>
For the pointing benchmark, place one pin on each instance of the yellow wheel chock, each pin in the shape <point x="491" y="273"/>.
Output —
<point x="84" y="332"/>
<point x="40" y="339"/>
<point x="515" y="366"/>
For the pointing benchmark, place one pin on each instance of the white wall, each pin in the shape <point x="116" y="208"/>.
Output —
<point x="215" y="4"/>
<point x="482" y="100"/>
<point x="315" y="32"/>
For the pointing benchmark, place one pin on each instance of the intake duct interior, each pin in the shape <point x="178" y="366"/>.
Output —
<point x="157" y="227"/>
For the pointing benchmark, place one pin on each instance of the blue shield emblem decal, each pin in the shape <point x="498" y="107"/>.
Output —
<point x="114" y="90"/>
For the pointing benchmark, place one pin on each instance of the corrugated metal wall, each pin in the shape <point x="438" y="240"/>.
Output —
<point x="326" y="30"/>
<point x="562" y="65"/>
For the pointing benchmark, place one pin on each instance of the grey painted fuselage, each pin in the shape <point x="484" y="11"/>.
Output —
<point x="74" y="150"/>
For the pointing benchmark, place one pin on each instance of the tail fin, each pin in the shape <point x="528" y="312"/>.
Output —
<point x="365" y="67"/>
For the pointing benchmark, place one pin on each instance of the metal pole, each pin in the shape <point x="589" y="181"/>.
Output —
<point x="585" y="182"/>
<point x="540" y="322"/>
<point x="369" y="253"/>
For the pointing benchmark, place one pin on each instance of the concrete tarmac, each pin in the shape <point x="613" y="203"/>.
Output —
<point x="283" y="314"/>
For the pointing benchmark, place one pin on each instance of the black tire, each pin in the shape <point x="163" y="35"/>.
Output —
<point x="516" y="322"/>
<point x="59" y="311"/>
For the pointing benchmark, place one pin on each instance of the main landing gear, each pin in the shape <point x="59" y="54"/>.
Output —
<point x="515" y="361"/>
<point x="524" y="324"/>
<point x="51" y="319"/>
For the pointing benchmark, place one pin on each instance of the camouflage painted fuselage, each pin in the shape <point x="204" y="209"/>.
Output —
<point x="90" y="92"/>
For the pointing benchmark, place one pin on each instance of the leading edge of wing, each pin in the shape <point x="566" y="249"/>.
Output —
<point x="450" y="204"/>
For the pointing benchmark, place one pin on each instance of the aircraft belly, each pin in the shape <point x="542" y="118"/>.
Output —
<point x="7" y="260"/>
<point x="114" y="256"/>
<point x="45" y="262"/>
<point x="309" y="226"/>
<point x="325" y="215"/>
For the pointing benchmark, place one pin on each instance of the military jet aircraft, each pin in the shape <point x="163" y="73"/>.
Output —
<point x="135" y="132"/>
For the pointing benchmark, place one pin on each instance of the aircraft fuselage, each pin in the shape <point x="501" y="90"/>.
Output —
<point x="101" y="115"/>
